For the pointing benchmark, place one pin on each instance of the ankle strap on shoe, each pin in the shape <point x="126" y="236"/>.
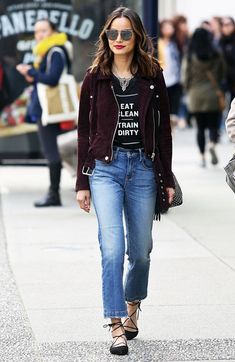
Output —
<point x="110" y="325"/>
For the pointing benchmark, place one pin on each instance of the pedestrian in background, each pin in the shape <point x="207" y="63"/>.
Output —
<point x="181" y="33"/>
<point x="216" y="29"/>
<point x="48" y="41"/>
<point x="203" y="73"/>
<point x="230" y="122"/>
<point x="230" y="126"/>
<point x="228" y="48"/>
<point x="182" y="41"/>
<point x="119" y="162"/>
<point x="169" y="59"/>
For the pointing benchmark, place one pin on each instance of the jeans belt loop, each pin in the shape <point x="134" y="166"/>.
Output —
<point x="115" y="152"/>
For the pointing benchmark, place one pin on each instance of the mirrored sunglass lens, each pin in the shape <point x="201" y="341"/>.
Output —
<point x="112" y="34"/>
<point x="126" y="34"/>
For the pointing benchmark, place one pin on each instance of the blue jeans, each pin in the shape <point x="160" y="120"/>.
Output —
<point x="126" y="187"/>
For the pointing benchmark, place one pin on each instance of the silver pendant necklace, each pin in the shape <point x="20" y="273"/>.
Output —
<point x="124" y="82"/>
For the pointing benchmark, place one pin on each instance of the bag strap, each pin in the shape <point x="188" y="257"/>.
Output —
<point x="212" y="79"/>
<point x="49" y="57"/>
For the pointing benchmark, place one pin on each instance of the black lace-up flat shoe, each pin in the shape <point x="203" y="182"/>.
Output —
<point x="120" y="348"/>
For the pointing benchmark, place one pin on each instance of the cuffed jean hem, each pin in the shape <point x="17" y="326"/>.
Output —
<point x="135" y="298"/>
<point x="115" y="314"/>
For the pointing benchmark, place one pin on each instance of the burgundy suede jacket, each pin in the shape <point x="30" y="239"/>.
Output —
<point x="98" y="119"/>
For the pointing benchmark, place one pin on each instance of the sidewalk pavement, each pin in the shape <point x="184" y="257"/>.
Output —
<point x="50" y="284"/>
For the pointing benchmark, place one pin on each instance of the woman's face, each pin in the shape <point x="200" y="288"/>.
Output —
<point x="42" y="30"/>
<point x="167" y="29"/>
<point x="183" y="27"/>
<point x="121" y="37"/>
<point x="227" y="26"/>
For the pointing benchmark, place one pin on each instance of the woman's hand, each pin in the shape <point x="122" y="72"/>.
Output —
<point x="23" y="69"/>
<point x="29" y="79"/>
<point x="84" y="200"/>
<point x="170" y="192"/>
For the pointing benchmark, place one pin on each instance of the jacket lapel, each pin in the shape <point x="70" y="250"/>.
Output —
<point x="146" y="91"/>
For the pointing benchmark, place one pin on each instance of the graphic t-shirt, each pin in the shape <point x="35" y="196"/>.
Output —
<point x="128" y="133"/>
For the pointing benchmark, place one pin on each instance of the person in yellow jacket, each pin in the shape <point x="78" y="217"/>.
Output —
<point x="48" y="43"/>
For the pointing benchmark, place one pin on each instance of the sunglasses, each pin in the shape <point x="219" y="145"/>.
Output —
<point x="112" y="34"/>
<point x="227" y="24"/>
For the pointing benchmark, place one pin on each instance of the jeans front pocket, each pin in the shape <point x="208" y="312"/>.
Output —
<point x="147" y="163"/>
<point x="100" y="163"/>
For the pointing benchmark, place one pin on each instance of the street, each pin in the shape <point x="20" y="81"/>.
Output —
<point x="50" y="284"/>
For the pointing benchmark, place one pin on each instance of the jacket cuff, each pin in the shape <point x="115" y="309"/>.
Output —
<point x="82" y="183"/>
<point x="33" y="73"/>
<point x="170" y="181"/>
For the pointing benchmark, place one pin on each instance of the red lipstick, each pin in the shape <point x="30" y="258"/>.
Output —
<point x="119" y="46"/>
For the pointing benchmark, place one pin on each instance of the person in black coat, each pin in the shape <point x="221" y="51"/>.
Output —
<point x="228" y="48"/>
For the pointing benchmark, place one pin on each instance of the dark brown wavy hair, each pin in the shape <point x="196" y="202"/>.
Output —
<point x="143" y="61"/>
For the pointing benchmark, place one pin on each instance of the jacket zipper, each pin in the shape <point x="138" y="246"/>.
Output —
<point x="116" y="124"/>
<point x="89" y="117"/>
<point x="159" y="119"/>
<point x="158" y="125"/>
<point x="154" y="130"/>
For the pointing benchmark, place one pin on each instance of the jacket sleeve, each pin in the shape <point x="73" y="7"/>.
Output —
<point x="52" y="77"/>
<point x="82" y="182"/>
<point x="230" y="122"/>
<point x="165" y="138"/>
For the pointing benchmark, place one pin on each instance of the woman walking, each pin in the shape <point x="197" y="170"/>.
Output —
<point x="170" y="60"/>
<point x="227" y="43"/>
<point x="122" y="165"/>
<point x="53" y="45"/>
<point x="203" y="72"/>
